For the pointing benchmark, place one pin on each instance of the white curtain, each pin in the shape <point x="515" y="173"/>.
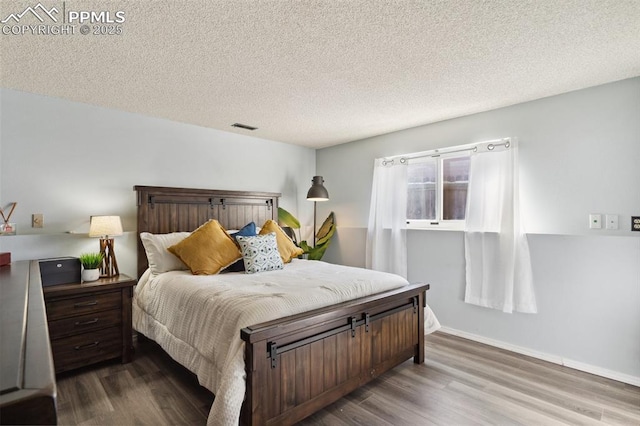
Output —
<point x="498" y="265"/>
<point x="387" y="234"/>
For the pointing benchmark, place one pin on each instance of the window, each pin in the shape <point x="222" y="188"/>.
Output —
<point x="437" y="191"/>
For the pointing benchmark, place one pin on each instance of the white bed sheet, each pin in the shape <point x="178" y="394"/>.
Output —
<point x="197" y="319"/>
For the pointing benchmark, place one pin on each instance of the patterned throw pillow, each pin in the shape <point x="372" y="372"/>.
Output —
<point x="260" y="253"/>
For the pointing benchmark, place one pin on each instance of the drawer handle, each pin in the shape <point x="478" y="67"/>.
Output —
<point x="90" y="345"/>
<point x="93" y="321"/>
<point x="83" y="304"/>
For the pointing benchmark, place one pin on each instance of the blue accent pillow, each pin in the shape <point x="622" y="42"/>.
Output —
<point x="260" y="253"/>
<point x="249" y="230"/>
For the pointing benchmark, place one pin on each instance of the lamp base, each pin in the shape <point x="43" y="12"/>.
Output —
<point x="109" y="267"/>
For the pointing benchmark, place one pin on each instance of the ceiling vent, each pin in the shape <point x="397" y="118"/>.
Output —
<point x="243" y="126"/>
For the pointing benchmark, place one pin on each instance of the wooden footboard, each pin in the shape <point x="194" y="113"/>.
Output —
<point x="300" y="364"/>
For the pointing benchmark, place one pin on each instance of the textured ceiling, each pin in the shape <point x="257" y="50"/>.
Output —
<point x="320" y="73"/>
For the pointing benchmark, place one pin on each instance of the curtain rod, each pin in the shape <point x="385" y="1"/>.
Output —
<point x="506" y="142"/>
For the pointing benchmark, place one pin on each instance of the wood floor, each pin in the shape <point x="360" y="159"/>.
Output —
<point x="461" y="383"/>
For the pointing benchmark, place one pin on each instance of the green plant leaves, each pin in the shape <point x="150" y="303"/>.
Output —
<point x="91" y="260"/>
<point x="306" y="247"/>
<point x="287" y="219"/>
<point x="327" y="229"/>
<point x="323" y="236"/>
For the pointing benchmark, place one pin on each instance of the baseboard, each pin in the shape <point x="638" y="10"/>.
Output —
<point x="576" y="365"/>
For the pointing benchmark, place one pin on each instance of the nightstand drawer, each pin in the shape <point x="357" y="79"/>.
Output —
<point x="86" y="348"/>
<point x="93" y="302"/>
<point x="90" y="322"/>
<point x="84" y="323"/>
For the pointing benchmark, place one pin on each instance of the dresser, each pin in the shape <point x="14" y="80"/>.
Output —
<point x="27" y="379"/>
<point x="90" y="322"/>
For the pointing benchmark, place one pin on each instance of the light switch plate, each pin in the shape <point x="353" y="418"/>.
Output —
<point x="611" y="221"/>
<point x="595" y="221"/>
<point x="37" y="220"/>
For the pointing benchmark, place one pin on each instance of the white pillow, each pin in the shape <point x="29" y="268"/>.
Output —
<point x="159" y="258"/>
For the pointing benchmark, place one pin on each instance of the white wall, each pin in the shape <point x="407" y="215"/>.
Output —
<point x="579" y="154"/>
<point x="69" y="161"/>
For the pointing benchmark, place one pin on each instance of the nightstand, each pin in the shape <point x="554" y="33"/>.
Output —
<point x="90" y="322"/>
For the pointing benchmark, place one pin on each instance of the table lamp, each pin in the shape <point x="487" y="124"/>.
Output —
<point x="106" y="227"/>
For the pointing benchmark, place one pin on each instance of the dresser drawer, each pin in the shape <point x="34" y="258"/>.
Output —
<point x="92" y="302"/>
<point x="86" y="348"/>
<point x="83" y="323"/>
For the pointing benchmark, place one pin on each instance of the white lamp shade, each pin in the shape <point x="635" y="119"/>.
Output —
<point x="103" y="226"/>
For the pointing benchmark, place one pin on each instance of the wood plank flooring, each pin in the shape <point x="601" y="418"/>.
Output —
<point x="461" y="383"/>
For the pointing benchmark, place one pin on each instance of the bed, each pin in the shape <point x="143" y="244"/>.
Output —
<point x="283" y="344"/>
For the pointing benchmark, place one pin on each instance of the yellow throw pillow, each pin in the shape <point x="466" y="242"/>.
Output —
<point x="208" y="249"/>
<point x="288" y="250"/>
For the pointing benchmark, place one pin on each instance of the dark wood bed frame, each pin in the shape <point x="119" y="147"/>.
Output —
<point x="298" y="364"/>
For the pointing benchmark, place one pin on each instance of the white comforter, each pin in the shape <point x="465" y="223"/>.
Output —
<point x="197" y="319"/>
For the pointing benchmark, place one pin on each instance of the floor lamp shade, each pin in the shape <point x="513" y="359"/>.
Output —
<point x="106" y="227"/>
<point x="317" y="192"/>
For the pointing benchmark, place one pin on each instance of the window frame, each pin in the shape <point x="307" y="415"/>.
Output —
<point x="438" y="223"/>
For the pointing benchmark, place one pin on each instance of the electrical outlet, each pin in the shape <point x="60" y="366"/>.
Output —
<point x="595" y="221"/>
<point x="37" y="220"/>
<point x="635" y="223"/>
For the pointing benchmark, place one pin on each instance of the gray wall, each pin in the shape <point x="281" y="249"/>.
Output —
<point x="69" y="160"/>
<point x="579" y="154"/>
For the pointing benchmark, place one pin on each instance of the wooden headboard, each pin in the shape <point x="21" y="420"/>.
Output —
<point x="162" y="210"/>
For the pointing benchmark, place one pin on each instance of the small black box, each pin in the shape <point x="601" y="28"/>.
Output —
<point x="59" y="270"/>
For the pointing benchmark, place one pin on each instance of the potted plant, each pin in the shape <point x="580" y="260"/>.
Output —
<point x="90" y="266"/>
<point x="322" y="237"/>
